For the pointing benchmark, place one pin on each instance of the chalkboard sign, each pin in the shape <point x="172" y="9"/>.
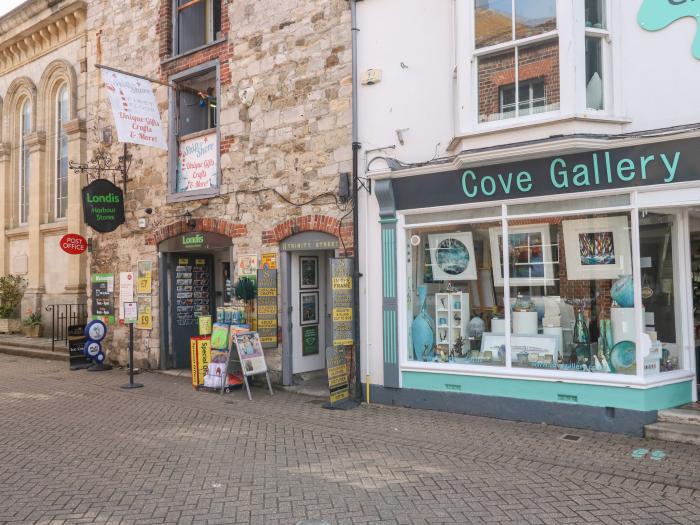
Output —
<point x="76" y="343"/>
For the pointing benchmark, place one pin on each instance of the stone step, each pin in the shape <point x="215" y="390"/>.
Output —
<point x="61" y="353"/>
<point x="30" y="342"/>
<point x="680" y="415"/>
<point x="676" y="432"/>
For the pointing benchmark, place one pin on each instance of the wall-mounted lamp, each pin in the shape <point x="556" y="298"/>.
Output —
<point x="189" y="220"/>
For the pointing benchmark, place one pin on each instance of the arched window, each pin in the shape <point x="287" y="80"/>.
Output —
<point x="24" y="129"/>
<point x="61" y="161"/>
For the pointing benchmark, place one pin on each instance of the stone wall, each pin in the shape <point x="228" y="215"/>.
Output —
<point x="290" y="144"/>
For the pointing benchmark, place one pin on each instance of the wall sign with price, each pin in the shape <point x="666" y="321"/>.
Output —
<point x="144" y="320"/>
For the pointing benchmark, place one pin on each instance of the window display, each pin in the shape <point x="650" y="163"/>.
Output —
<point x="564" y="300"/>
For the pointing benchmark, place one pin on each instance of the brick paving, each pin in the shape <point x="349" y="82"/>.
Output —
<point x="74" y="448"/>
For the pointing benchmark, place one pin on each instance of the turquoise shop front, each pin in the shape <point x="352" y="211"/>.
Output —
<point x="583" y="316"/>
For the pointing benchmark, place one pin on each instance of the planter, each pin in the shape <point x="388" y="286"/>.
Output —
<point x="10" y="326"/>
<point x="32" y="330"/>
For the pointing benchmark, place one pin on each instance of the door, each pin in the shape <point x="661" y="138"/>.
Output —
<point x="192" y="295"/>
<point x="309" y="312"/>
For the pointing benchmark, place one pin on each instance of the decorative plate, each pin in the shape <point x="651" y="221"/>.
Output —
<point x="623" y="357"/>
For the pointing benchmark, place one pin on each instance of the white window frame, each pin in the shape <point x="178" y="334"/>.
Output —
<point x="605" y="37"/>
<point x="60" y="134"/>
<point x="650" y="196"/>
<point x="24" y="167"/>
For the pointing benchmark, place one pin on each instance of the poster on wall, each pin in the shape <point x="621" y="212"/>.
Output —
<point x="197" y="163"/>
<point x="267" y="308"/>
<point x="134" y="109"/>
<point x="342" y="302"/>
<point x="143" y="277"/>
<point x="309" y="340"/>
<point x="145" y="319"/>
<point x="102" y="286"/>
<point x="268" y="261"/>
<point x="452" y="256"/>
<point x="248" y="266"/>
<point x="126" y="291"/>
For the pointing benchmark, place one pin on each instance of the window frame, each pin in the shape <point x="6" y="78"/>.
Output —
<point x="174" y="137"/>
<point x="209" y="9"/>
<point x="60" y="134"/>
<point x="605" y="37"/>
<point x="24" y="167"/>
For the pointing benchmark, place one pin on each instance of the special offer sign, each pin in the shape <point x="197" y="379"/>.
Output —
<point x="73" y="243"/>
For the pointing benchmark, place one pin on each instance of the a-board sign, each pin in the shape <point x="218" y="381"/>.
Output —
<point x="103" y="206"/>
<point x="267" y="308"/>
<point x="73" y="243"/>
<point x="76" y="343"/>
<point x="338" y="385"/>
<point x="250" y="352"/>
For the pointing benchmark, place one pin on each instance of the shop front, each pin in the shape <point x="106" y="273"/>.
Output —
<point x="558" y="289"/>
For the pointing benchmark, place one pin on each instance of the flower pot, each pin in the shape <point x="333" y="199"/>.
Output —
<point x="33" y="330"/>
<point x="10" y="326"/>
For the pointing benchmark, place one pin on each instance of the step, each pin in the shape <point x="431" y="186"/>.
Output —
<point x="680" y="415"/>
<point x="676" y="432"/>
<point x="30" y="342"/>
<point x="61" y="353"/>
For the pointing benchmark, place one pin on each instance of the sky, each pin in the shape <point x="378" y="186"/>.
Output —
<point x="8" y="5"/>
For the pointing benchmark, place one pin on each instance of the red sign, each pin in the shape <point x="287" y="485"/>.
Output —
<point x="73" y="243"/>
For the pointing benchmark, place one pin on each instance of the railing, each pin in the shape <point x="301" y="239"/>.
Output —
<point x="62" y="316"/>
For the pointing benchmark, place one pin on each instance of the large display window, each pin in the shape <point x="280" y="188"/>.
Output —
<point x="578" y="292"/>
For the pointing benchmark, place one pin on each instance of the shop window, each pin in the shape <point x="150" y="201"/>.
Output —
<point x="564" y="283"/>
<point x="197" y="23"/>
<point x="516" y="76"/>
<point x="24" y="169"/>
<point x="196" y="132"/>
<point x="61" y="160"/>
<point x="597" y="37"/>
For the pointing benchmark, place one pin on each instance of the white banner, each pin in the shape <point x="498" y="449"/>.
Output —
<point x="134" y="109"/>
<point x="197" y="167"/>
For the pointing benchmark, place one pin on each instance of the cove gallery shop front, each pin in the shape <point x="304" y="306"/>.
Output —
<point x="584" y="316"/>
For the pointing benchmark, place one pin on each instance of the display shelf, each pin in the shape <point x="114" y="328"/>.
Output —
<point x="451" y="320"/>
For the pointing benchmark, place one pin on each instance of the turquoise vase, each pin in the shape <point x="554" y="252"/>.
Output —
<point x="622" y="291"/>
<point x="423" y="330"/>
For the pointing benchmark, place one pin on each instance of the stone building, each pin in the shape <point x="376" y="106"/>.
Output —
<point x="269" y="84"/>
<point x="42" y="110"/>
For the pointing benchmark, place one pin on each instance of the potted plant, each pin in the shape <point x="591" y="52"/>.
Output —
<point x="32" y="324"/>
<point x="11" y="292"/>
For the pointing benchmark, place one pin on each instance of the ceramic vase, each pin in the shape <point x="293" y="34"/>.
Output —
<point x="582" y="337"/>
<point x="423" y="330"/>
<point x="622" y="291"/>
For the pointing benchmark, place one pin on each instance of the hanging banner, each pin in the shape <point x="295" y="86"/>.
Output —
<point x="143" y="277"/>
<point x="343" y="314"/>
<point x="134" y="109"/>
<point x="267" y="308"/>
<point x="197" y="165"/>
<point x="103" y="206"/>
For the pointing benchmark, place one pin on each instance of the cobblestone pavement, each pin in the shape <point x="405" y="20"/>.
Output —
<point x="74" y="448"/>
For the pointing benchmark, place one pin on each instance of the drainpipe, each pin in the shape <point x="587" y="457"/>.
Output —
<point x="355" y="215"/>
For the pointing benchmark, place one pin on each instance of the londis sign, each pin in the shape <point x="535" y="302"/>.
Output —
<point x="103" y="206"/>
<point x="661" y="163"/>
<point x="659" y="14"/>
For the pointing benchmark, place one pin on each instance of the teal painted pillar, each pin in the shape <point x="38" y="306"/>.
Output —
<point x="390" y="320"/>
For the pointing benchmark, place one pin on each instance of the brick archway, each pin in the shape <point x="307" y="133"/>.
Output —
<point x="307" y="223"/>
<point x="220" y="226"/>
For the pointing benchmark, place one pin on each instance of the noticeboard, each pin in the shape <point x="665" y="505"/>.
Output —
<point x="338" y="383"/>
<point x="342" y="305"/>
<point x="267" y="308"/>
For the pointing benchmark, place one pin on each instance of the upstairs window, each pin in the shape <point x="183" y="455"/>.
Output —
<point x="61" y="162"/>
<point x="197" y="23"/>
<point x="517" y="52"/>
<point x="24" y="170"/>
<point x="597" y="52"/>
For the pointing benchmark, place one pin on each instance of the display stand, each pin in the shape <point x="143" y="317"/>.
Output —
<point x="250" y="357"/>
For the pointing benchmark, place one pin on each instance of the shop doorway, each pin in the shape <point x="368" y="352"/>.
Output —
<point x="195" y="271"/>
<point x="306" y="305"/>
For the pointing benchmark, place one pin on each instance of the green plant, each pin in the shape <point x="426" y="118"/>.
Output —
<point x="33" y="319"/>
<point x="11" y="291"/>
<point x="245" y="289"/>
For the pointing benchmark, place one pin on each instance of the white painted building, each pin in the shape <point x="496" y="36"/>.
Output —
<point x="570" y="128"/>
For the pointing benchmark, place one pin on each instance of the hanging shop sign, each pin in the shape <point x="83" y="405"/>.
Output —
<point x="197" y="165"/>
<point x="103" y="206"/>
<point x="134" y="109"/>
<point x="338" y="382"/>
<point x="267" y="308"/>
<point x="102" y="286"/>
<point x="659" y="14"/>
<point x="660" y="163"/>
<point x="73" y="244"/>
<point x="342" y="305"/>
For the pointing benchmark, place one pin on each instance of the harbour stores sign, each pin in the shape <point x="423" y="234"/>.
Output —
<point x="103" y="206"/>
<point x="649" y="164"/>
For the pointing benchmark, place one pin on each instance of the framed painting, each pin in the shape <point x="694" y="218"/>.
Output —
<point x="530" y="255"/>
<point x="308" y="302"/>
<point x="597" y="248"/>
<point x="452" y="256"/>
<point x="308" y="272"/>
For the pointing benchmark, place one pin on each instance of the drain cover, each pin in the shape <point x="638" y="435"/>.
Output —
<point x="312" y="522"/>
<point x="571" y="437"/>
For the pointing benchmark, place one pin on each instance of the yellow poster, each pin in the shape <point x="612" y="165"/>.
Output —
<point x="144" y="321"/>
<point x="268" y="261"/>
<point x="203" y="357"/>
<point x="193" y="360"/>
<point x="342" y="314"/>
<point x="143" y="277"/>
